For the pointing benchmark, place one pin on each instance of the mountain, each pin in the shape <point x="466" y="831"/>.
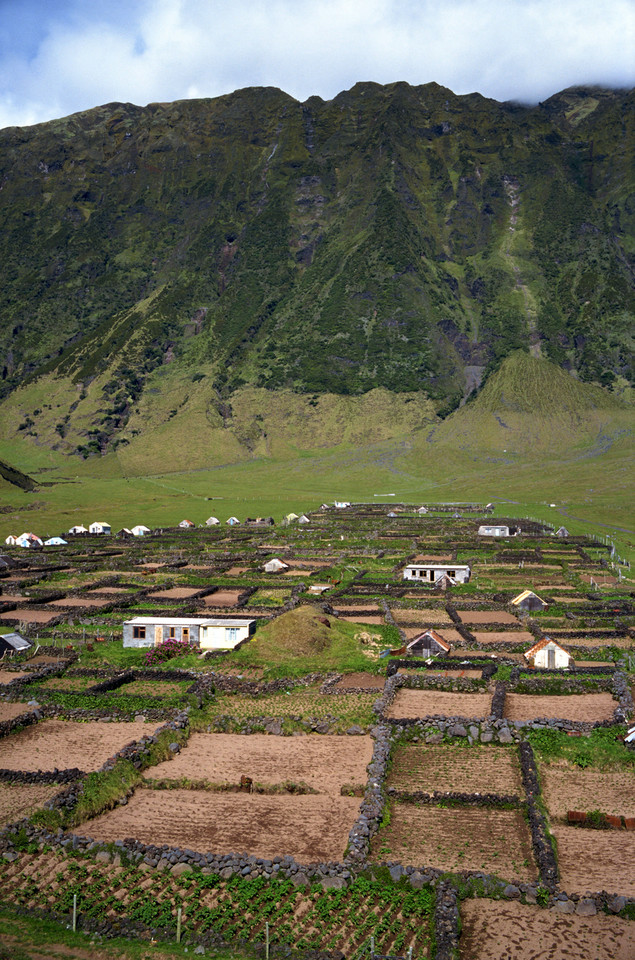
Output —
<point x="202" y="266"/>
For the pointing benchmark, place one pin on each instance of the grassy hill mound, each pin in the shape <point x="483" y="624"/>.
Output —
<point x="304" y="640"/>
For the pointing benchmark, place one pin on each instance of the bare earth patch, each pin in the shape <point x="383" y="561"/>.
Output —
<point x="64" y="744"/>
<point x="449" y="634"/>
<point x="593" y="860"/>
<point x="79" y="602"/>
<point x="570" y="788"/>
<point x="312" y="829"/>
<point x="7" y="712"/>
<point x="174" y="593"/>
<point x="6" y="676"/>
<point x="324" y="763"/>
<point x="18" y="800"/>
<point x="369" y="608"/>
<point x="587" y="707"/>
<point x="466" y="838"/>
<point x="426" y="703"/>
<point x="487" y="616"/>
<point x="477" y="769"/>
<point x="485" y="637"/>
<point x="363" y="619"/>
<point x="222" y="598"/>
<point x="423" y="616"/>
<point x="29" y="616"/>
<point x="414" y="672"/>
<point x="499" y="930"/>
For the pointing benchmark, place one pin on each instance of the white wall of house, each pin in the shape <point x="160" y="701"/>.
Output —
<point x="431" y="572"/>
<point x="225" y="635"/>
<point x="559" y="659"/>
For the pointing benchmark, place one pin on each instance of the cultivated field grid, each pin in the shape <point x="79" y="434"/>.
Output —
<point x="325" y="785"/>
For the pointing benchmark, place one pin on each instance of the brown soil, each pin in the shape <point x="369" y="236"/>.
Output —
<point x="175" y="593"/>
<point x="449" y="634"/>
<point x="367" y="608"/>
<point x="310" y="828"/>
<point x="503" y="636"/>
<point x="29" y="616"/>
<point x="594" y="860"/>
<point x="369" y="681"/>
<point x="414" y="672"/>
<point x="363" y="619"/>
<point x="569" y="788"/>
<point x="432" y="558"/>
<point x="576" y="706"/>
<point x="79" y="602"/>
<point x="324" y="763"/>
<point x="499" y="930"/>
<point x="236" y="571"/>
<point x="63" y="744"/>
<point x="18" y="800"/>
<point x="110" y="590"/>
<point x="466" y="838"/>
<point x="591" y="641"/>
<point x="423" y="616"/>
<point x="7" y="712"/>
<point x="297" y="573"/>
<point x="424" y="703"/>
<point x="6" y="676"/>
<point x="479" y="769"/>
<point x="487" y="616"/>
<point x="11" y="597"/>
<point x="222" y="598"/>
<point x="602" y="579"/>
<point x="43" y="658"/>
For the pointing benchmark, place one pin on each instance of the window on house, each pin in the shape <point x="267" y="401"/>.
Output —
<point x="139" y="633"/>
<point x="231" y="634"/>
<point x="451" y="573"/>
<point x="171" y="633"/>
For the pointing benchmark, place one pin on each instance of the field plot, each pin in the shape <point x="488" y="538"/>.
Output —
<point x="486" y="616"/>
<point x="362" y="618"/>
<point x="222" y="598"/>
<point x="309" y="828"/>
<point x="475" y="769"/>
<point x="64" y="744"/>
<point x="156" y="688"/>
<point x="324" y="763"/>
<point x="458" y="672"/>
<point x="587" y="707"/>
<point x="567" y="787"/>
<point x="594" y="860"/>
<point x="428" y="615"/>
<point x="18" y="800"/>
<point x="459" y="838"/>
<point x="485" y="637"/>
<point x="68" y="602"/>
<point x="7" y="712"/>
<point x="174" y="593"/>
<point x="75" y="684"/>
<point x="6" y="676"/>
<point x="369" y="681"/>
<point x="498" y="930"/>
<point x="449" y="634"/>
<point x="30" y="616"/>
<point x="306" y="702"/>
<point x="431" y="703"/>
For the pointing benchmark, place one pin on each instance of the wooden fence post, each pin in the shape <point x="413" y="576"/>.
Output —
<point x="267" y="940"/>
<point x="74" y="912"/>
<point x="178" y="925"/>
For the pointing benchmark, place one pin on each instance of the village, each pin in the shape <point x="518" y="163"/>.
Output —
<point x="370" y="729"/>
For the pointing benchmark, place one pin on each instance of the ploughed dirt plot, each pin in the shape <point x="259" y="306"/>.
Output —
<point x="428" y="615"/>
<point x="458" y="838"/>
<point x="437" y="703"/>
<point x="79" y="602"/>
<point x="222" y="598"/>
<point x="476" y="769"/>
<point x="29" y="616"/>
<point x="595" y="860"/>
<point x="18" y="800"/>
<point x="587" y="707"/>
<point x="566" y="787"/>
<point x="486" y="637"/>
<point x="63" y="744"/>
<point x="175" y="593"/>
<point x="7" y="712"/>
<point x="310" y="828"/>
<point x="487" y="616"/>
<point x="508" y="930"/>
<point x="323" y="763"/>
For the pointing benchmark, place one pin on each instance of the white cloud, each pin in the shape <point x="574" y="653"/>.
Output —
<point x="145" y="50"/>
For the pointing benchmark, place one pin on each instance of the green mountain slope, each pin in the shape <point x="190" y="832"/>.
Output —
<point x="395" y="237"/>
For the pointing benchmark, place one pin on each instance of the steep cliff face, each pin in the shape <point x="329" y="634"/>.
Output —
<point x="395" y="237"/>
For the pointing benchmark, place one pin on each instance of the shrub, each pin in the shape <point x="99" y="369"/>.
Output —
<point x="167" y="650"/>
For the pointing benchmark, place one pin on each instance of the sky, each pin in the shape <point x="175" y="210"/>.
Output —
<point x="61" y="56"/>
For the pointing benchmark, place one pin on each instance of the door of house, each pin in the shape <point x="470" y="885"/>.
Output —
<point x="158" y="634"/>
<point x="551" y="658"/>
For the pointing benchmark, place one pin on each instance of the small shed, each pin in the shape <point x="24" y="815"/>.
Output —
<point x="186" y="524"/>
<point x="10" y="541"/>
<point x="432" y="572"/>
<point x="548" y="655"/>
<point x="422" y="510"/>
<point x="303" y="518"/>
<point x="55" y="542"/>
<point x="29" y="540"/>
<point x="341" y="504"/>
<point x="528" y="600"/>
<point x="140" y="530"/>
<point x="275" y="566"/>
<point x="77" y="529"/>
<point x="428" y="644"/>
<point x="562" y="532"/>
<point x="212" y="521"/>
<point x="233" y="522"/>
<point x="99" y="527"/>
<point x="290" y="517"/>
<point x="494" y="530"/>
<point x="13" y="643"/>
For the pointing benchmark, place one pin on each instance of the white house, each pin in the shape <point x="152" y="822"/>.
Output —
<point x="205" y="632"/>
<point x="99" y="527"/>
<point x="140" y="530"/>
<point x="303" y="518"/>
<point x="290" y="517"/>
<point x="428" y="644"/>
<point x="233" y="521"/>
<point x="431" y="572"/>
<point x="562" y="532"/>
<point x="55" y="542"/>
<point x="497" y="530"/>
<point x="212" y="521"/>
<point x="549" y="655"/>
<point x="28" y="540"/>
<point x="79" y="528"/>
<point x="186" y="524"/>
<point x="10" y="541"/>
<point x="422" y="510"/>
<point x="341" y="504"/>
<point x="275" y="566"/>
